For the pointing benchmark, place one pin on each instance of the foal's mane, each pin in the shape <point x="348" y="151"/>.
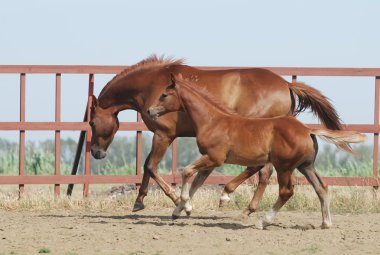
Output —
<point x="150" y="62"/>
<point x="205" y="94"/>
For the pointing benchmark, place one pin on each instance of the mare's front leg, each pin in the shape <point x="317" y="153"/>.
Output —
<point x="160" y="145"/>
<point x="202" y="164"/>
<point x="264" y="175"/>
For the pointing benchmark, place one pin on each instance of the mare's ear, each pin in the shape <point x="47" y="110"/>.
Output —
<point x="179" y="76"/>
<point x="94" y="101"/>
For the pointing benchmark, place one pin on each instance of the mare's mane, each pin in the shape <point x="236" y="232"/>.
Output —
<point x="149" y="62"/>
<point x="205" y="94"/>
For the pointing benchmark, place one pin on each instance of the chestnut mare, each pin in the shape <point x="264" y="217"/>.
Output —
<point x="223" y="136"/>
<point x="251" y="92"/>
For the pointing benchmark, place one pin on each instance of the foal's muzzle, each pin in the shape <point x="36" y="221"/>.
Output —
<point x="153" y="113"/>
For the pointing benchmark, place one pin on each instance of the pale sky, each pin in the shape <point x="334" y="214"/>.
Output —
<point x="218" y="33"/>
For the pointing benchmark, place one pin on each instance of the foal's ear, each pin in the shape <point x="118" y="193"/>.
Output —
<point x="171" y="86"/>
<point x="172" y="78"/>
<point x="94" y="101"/>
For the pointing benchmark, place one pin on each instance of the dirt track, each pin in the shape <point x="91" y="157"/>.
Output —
<point x="211" y="232"/>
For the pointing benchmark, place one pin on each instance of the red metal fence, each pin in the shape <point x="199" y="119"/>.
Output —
<point x="57" y="179"/>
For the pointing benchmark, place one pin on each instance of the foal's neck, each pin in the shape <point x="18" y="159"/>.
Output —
<point x="202" y="113"/>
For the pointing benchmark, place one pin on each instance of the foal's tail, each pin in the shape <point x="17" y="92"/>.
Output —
<point x="320" y="105"/>
<point x="340" y="138"/>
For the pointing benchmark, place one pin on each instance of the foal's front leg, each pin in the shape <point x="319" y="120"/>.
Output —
<point x="204" y="163"/>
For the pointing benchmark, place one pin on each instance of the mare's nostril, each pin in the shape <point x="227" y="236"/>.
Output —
<point x="148" y="112"/>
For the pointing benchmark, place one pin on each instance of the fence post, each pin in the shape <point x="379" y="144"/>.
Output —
<point x="22" y="132"/>
<point x="376" y="135"/>
<point x="57" y="188"/>
<point x="138" y="151"/>
<point x="174" y="161"/>
<point x="87" y="160"/>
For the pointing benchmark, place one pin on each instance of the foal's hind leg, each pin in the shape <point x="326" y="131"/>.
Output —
<point x="234" y="183"/>
<point x="321" y="189"/>
<point x="264" y="175"/>
<point x="286" y="190"/>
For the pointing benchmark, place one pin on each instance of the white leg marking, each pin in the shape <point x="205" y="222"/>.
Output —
<point x="184" y="204"/>
<point x="267" y="219"/>
<point x="225" y="197"/>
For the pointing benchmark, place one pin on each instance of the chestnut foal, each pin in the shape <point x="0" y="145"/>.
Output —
<point x="226" y="137"/>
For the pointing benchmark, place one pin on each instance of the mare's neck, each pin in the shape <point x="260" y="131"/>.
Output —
<point x="123" y="95"/>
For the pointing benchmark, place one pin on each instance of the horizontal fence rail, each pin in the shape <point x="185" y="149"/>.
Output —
<point x="86" y="179"/>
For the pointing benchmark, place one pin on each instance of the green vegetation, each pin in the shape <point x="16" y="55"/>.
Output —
<point x="121" y="158"/>
<point x="44" y="250"/>
<point x="71" y="253"/>
<point x="311" y="249"/>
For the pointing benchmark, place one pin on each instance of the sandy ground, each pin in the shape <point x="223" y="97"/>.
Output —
<point x="209" y="232"/>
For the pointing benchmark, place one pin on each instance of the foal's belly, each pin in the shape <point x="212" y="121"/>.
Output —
<point x="251" y="159"/>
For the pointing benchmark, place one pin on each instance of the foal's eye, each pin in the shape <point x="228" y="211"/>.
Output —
<point x="163" y="96"/>
<point x="92" y="123"/>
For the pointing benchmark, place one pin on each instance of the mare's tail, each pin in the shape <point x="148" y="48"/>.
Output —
<point x="320" y="105"/>
<point x="340" y="138"/>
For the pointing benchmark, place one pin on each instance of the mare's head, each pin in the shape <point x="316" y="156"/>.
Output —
<point x="169" y="101"/>
<point x="104" y="124"/>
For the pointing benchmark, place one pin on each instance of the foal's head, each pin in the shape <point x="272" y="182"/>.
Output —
<point x="104" y="124"/>
<point x="169" y="101"/>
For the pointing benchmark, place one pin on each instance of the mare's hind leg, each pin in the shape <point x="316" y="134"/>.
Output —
<point x="286" y="190"/>
<point x="321" y="189"/>
<point x="264" y="175"/>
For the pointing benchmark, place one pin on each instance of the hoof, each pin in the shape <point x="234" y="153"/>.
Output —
<point x="243" y="218"/>
<point x="174" y="217"/>
<point x="188" y="208"/>
<point x="223" y="203"/>
<point x="326" y="225"/>
<point x="224" y="200"/>
<point x="177" y="201"/>
<point x="261" y="224"/>
<point x="138" y="206"/>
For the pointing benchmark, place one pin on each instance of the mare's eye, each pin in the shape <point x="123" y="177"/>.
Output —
<point x="92" y="123"/>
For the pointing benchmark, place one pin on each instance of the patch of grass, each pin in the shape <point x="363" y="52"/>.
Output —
<point x="71" y="253"/>
<point x="312" y="249"/>
<point x="342" y="200"/>
<point x="135" y="252"/>
<point x="11" y="253"/>
<point x="44" y="250"/>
